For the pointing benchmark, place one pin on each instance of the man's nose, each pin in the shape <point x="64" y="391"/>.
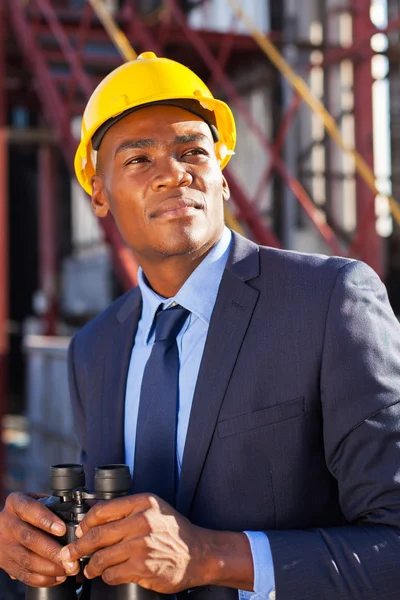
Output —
<point x="171" y="173"/>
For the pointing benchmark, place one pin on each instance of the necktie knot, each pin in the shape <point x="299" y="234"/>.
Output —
<point x="169" y="322"/>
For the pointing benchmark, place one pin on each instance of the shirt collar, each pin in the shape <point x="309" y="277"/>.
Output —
<point x="199" y="292"/>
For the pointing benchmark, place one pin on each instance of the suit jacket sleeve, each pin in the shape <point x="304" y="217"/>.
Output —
<point x="360" y="392"/>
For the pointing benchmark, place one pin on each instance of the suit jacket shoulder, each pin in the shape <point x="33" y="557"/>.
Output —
<point x="284" y="264"/>
<point x="119" y="310"/>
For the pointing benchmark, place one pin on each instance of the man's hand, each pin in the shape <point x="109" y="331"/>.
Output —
<point x="142" y="539"/>
<point x="26" y="553"/>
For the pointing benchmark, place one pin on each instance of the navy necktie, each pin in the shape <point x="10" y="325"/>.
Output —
<point x="155" y="467"/>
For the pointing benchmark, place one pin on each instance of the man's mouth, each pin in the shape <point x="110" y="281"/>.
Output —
<point x="174" y="208"/>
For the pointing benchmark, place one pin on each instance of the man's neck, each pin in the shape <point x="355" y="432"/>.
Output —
<point x="167" y="276"/>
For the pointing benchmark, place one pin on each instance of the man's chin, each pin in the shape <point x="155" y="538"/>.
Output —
<point x="185" y="242"/>
<point x="170" y="250"/>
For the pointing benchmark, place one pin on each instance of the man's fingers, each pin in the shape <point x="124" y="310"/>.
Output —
<point x="31" y="562"/>
<point x="96" y="538"/>
<point x="31" y="511"/>
<point x="117" y="575"/>
<point x="114" y="510"/>
<point x="40" y="543"/>
<point x="106" y="558"/>
<point x="32" y="579"/>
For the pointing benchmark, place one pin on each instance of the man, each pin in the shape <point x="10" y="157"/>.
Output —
<point x="285" y="474"/>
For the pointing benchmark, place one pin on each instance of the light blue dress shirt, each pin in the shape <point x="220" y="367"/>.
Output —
<point x="198" y="295"/>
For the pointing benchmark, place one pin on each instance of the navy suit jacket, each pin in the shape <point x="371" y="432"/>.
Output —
<point x="295" y="423"/>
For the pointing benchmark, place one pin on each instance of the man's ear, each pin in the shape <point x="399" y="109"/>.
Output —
<point x="226" y="192"/>
<point x="99" y="199"/>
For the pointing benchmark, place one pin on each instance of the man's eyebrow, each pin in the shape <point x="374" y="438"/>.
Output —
<point x="190" y="137"/>
<point x="132" y="144"/>
<point x="187" y="138"/>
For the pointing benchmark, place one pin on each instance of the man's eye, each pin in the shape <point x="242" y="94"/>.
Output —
<point x="136" y="160"/>
<point x="195" y="151"/>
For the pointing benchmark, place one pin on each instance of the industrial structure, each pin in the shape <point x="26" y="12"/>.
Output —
<point x="296" y="181"/>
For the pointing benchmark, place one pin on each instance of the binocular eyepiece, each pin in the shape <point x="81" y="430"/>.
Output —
<point x="110" y="481"/>
<point x="69" y="502"/>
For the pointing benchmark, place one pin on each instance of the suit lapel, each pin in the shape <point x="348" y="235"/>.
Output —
<point x="231" y="316"/>
<point x="117" y="359"/>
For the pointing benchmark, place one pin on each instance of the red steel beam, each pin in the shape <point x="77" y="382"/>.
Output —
<point x="67" y="49"/>
<point x="286" y="123"/>
<point x="249" y="214"/>
<point x="4" y="279"/>
<point x="138" y="31"/>
<point x="91" y="59"/>
<point x="362" y="45"/>
<point x="173" y="34"/>
<point x="212" y="38"/>
<point x="367" y="243"/>
<point x="163" y="34"/>
<point x="227" y="45"/>
<point x="47" y="91"/>
<point x="80" y="41"/>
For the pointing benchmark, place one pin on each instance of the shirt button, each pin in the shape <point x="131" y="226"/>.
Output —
<point x="272" y="595"/>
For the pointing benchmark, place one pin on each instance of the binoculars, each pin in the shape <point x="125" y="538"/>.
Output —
<point x="69" y="502"/>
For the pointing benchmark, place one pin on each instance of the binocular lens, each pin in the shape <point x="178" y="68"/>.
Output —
<point x="112" y="480"/>
<point x="66" y="477"/>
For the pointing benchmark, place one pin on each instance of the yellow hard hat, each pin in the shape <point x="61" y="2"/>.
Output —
<point x="149" y="80"/>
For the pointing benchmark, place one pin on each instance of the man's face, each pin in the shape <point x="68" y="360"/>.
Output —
<point x="160" y="178"/>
